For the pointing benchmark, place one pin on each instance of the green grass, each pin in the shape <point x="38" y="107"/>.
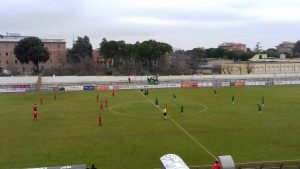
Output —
<point x="134" y="134"/>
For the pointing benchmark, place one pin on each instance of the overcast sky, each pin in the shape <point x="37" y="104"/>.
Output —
<point x="184" y="24"/>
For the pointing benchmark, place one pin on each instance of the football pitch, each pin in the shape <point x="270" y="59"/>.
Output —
<point x="134" y="134"/>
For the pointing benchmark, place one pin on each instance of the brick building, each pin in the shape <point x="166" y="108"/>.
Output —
<point x="233" y="46"/>
<point x="100" y="60"/>
<point x="57" y="49"/>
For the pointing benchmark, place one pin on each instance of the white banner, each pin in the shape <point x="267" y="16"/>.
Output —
<point x="12" y="90"/>
<point x="174" y="85"/>
<point x="279" y="82"/>
<point x="260" y="83"/>
<point x="73" y="88"/>
<point x="225" y="84"/>
<point x="250" y="83"/>
<point x="162" y="86"/>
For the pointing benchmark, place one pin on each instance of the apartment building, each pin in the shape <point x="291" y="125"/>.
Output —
<point x="285" y="47"/>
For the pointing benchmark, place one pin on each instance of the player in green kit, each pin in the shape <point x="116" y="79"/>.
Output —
<point x="263" y="101"/>
<point x="232" y="99"/>
<point x="259" y="110"/>
<point x="181" y="110"/>
<point x="174" y="97"/>
<point x="156" y="102"/>
<point x="215" y="92"/>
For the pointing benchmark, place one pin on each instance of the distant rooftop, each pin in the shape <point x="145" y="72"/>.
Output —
<point x="16" y="37"/>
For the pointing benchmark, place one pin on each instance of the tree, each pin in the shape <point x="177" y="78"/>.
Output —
<point x="195" y="57"/>
<point x="257" y="48"/>
<point x="271" y="52"/>
<point x="81" y="49"/>
<point x="31" y="49"/>
<point x="296" y="50"/>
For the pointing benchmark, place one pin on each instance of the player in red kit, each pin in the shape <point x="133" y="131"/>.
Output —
<point x="101" y="106"/>
<point x="113" y="93"/>
<point x="97" y="97"/>
<point x="41" y="100"/>
<point x="216" y="165"/>
<point x="100" y="120"/>
<point x="106" y="102"/>
<point x="34" y="108"/>
<point x="35" y="115"/>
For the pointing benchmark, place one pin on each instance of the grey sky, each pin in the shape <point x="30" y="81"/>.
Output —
<point x="182" y="23"/>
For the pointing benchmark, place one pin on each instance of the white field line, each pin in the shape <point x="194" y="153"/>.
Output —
<point x="182" y="129"/>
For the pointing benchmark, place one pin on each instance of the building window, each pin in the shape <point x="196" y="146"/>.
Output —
<point x="6" y="61"/>
<point x="23" y="69"/>
<point x="16" y="62"/>
<point x="6" y="53"/>
<point x="58" y="46"/>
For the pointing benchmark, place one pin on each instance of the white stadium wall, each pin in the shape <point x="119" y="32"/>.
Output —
<point x="76" y="83"/>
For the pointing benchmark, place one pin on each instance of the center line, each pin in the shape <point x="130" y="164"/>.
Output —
<point x="182" y="129"/>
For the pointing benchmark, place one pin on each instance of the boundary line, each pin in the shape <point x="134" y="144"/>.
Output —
<point x="182" y="129"/>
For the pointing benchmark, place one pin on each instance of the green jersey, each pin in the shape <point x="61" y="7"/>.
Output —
<point x="232" y="98"/>
<point x="156" y="101"/>
<point x="259" y="107"/>
<point x="181" y="109"/>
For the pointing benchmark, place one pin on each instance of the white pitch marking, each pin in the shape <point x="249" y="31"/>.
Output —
<point x="182" y="129"/>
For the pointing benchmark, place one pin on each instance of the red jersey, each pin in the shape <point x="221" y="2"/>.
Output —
<point x="216" y="166"/>
<point x="41" y="100"/>
<point x="106" y="103"/>
<point x="34" y="108"/>
<point x="101" y="106"/>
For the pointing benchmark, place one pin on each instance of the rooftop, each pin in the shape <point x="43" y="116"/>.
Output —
<point x="16" y="37"/>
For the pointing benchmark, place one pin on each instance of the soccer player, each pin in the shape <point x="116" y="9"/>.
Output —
<point x="97" y="97"/>
<point x="174" y="97"/>
<point x="34" y="107"/>
<point x="216" y="165"/>
<point x="35" y="114"/>
<point x="156" y="102"/>
<point x="113" y="93"/>
<point x="181" y="110"/>
<point x="106" y="101"/>
<point x="262" y="101"/>
<point x="41" y="100"/>
<point x="232" y="99"/>
<point x="101" y="106"/>
<point x="215" y="92"/>
<point x="100" y="120"/>
<point x="54" y="96"/>
<point x="165" y="113"/>
<point x="259" y="110"/>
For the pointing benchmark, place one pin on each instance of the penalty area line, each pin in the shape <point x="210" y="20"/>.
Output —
<point x="182" y="129"/>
